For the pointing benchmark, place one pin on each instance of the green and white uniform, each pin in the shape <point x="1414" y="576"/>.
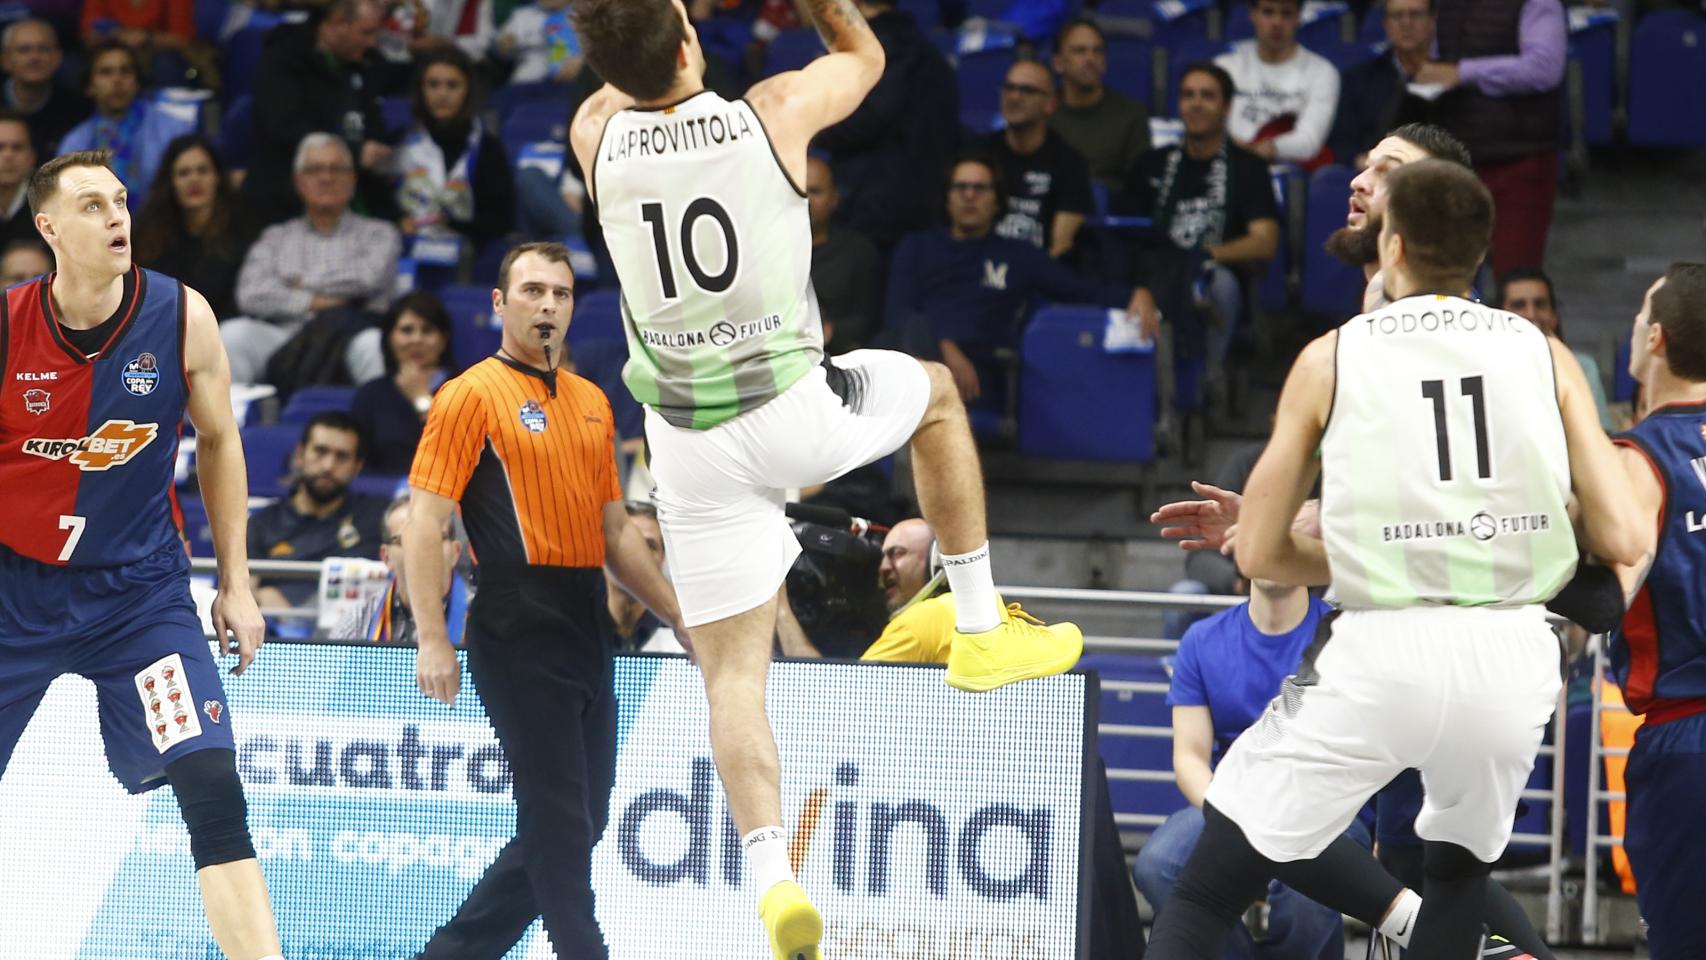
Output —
<point x="1445" y="477"/>
<point x="712" y="243"/>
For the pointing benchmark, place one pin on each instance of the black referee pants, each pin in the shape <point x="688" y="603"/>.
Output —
<point x="539" y="645"/>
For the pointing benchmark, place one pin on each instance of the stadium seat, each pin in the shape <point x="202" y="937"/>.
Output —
<point x="1182" y="55"/>
<point x="305" y="402"/>
<point x="509" y="96"/>
<point x="267" y="452"/>
<point x="598" y="316"/>
<point x="1180" y="21"/>
<point x="1593" y="47"/>
<point x="725" y="37"/>
<point x="388" y="485"/>
<point x="210" y="17"/>
<point x="1373" y="25"/>
<point x="474" y="333"/>
<point x="398" y="114"/>
<point x="791" y="50"/>
<point x="1330" y="289"/>
<point x="1668" y="59"/>
<point x="1323" y="25"/>
<point x="1124" y="752"/>
<point x="243" y="54"/>
<point x="928" y="13"/>
<point x="1344" y="56"/>
<point x="1274" y="286"/>
<point x="600" y="359"/>
<point x="532" y="122"/>
<point x="1131" y="69"/>
<point x="1126" y="9"/>
<point x="981" y="75"/>
<point x="1067" y="382"/>
<point x="1623" y="385"/>
<point x="196" y="528"/>
<point x="237" y="133"/>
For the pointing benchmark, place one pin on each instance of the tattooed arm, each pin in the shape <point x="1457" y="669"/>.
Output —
<point x="796" y="105"/>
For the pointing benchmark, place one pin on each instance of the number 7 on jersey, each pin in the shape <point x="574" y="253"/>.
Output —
<point x="75" y="525"/>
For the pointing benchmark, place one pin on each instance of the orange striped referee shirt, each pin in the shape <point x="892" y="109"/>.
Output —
<point x="532" y="460"/>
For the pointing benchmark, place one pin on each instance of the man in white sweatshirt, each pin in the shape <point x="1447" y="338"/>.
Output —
<point x="1286" y="95"/>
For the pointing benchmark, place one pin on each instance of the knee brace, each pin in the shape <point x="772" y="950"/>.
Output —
<point x="1448" y="862"/>
<point x="210" y="797"/>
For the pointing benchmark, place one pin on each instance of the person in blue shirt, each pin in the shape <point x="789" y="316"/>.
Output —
<point x="1228" y="668"/>
<point x="963" y="293"/>
<point x="136" y="131"/>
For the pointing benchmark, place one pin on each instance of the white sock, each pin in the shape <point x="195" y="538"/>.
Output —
<point x="767" y="852"/>
<point x="977" y="608"/>
<point x="1400" y="922"/>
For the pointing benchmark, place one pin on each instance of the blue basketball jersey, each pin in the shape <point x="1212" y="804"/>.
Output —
<point x="1659" y="654"/>
<point x="88" y="444"/>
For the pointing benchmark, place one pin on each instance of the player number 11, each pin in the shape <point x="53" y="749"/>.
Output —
<point x="75" y="525"/>
<point x="1474" y="389"/>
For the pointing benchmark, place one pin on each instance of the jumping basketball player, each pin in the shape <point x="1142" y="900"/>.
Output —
<point x="701" y="203"/>
<point x="100" y="361"/>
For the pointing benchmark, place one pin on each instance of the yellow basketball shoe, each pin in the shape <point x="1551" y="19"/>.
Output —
<point x="1021" y="648"/>
<point x="792" y="922"/>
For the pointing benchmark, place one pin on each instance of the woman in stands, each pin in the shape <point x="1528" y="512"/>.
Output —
<point x="190" y="226"/>
<point x="391" y="409"/>
<point x="453" y="173"/>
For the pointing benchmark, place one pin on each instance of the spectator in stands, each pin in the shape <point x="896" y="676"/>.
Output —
<point x="1047" y="183"/>
<point x="1286" y="95"/>
<point x="330" y="265"/>
<point x="540" y="38"/>
<point x="1110" y="129"/>
<point x="468" y="24"/>
<point x="888" y="153"/>
<point x="1502" y="62"/>
<point x="321" y="517"/>
<point x="162" y="32"/>
<point x="961" y="291"/>
<point x="1528" y="292"/>
<point x="454" y="175"/>
<point x="136" y="131"/>
<point x="24" y="259"/>
<point x="390" y="620"/>
<point x="1228" y="668"/>
<point x="17" y="162"/>
<point x="190" y="227"/>
<point x="315" y="77"/>
<point x="30" y="55"/>
<point x="846" y="270"/>
<point x="1374" y="93"/>
<point x="1210" y="197"/>
<point x="415" y="340"/>
<point x="637" y="628"/>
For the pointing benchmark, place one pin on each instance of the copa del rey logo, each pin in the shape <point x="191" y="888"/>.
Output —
<point x="112" y="444"/>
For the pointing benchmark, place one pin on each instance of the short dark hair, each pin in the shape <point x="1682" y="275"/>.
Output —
<point x="1228" y="89"/>
<point x="1523" y="274"/>
<point x="44" y="183"/>
<point x="450" y="56"/>
<point x="1435" y="141"/>
<point x="631" y="43"/>
<point x="1445" y="216"/>
<point x="424" y="304"/>
<point x="640" y="508"/>
<point x="1679" y="308"/>
<point x="106" y="46"/>
<point x="8" y="115"/>
<point x="27" y="243"/>
<point x="341" y="421"/>
<point x="1075" y="23"/>
<point x="1256" y="3"/>
<point x="997" y="174"/>
<point x="552" y="252"/>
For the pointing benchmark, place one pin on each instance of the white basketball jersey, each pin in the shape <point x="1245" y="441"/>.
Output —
<point x="713" y="248"/>
<point x="1445" y="475"/>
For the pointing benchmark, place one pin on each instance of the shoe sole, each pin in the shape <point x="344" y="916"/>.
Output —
<point x="802" y="931"/>
<point x="983" y="683"/>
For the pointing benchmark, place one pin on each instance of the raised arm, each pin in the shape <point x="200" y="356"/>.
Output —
<point x="237" y="623"/>
<point x="1613" y="527"/>
<point x="798" y="104"/>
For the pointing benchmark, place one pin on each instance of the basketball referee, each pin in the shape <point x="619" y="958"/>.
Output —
<point x="528" y="451"/>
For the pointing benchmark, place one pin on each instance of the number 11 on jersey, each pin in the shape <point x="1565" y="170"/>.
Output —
<point x="1474" y="389"/>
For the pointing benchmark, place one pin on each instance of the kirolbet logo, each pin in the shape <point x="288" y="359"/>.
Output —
<point x="113" y="444"/>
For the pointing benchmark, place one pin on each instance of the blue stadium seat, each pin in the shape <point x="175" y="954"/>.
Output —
<point x="1668" y="59"/>
<point x="791" y="50"/>
<point x="398" y="114"/>
<point x="533" y="122"/>
<point x="1327" y="29"/>
<point x="474" y="332"/>
<point x="243" y="54"/>
<point x="267" y="452"/>
<point x="1344" y="56"/>
<point x="1182" y="55"/>
<point x="1078" y="402"/>
<point x="1119" y="707"/>
<point x="1273" y="288"/>
<point x="598" y="316"/>
<point x="600" y="359"/>
<point x="509" y="96"/>
<point x="1593" y="45"/>
<point x="1330" y="288"/>
<point x="210" y="17"/>
<point x="1180" y="21"/>
<point x="1238" y="26"/>
<point x="1623" y="386"/>
<point x="307" y="401"/>
<point x="1129" y="9"/>
<point x="388" y="485"/>
<point x="237" y="133"/>
<point x="1131" y="68"/>
<point x="1373" y="25"/>
<point x="928" y="13"/>
<point x="981" y="75"/>
<point x="196" y="528"/>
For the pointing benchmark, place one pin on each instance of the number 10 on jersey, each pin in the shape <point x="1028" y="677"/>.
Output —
<point x="653" y="213"/>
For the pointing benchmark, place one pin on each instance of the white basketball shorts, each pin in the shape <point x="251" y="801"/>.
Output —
<point x="1461" y="694"/>
<point x="720" y="491"/>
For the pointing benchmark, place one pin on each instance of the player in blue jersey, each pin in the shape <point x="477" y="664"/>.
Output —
<point x="99" y="362"/>
<point x="1659" y="654"/>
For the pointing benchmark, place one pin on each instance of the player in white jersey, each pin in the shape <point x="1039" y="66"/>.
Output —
<point x="700" y="201"/>
<point x="1450" y="438"/>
